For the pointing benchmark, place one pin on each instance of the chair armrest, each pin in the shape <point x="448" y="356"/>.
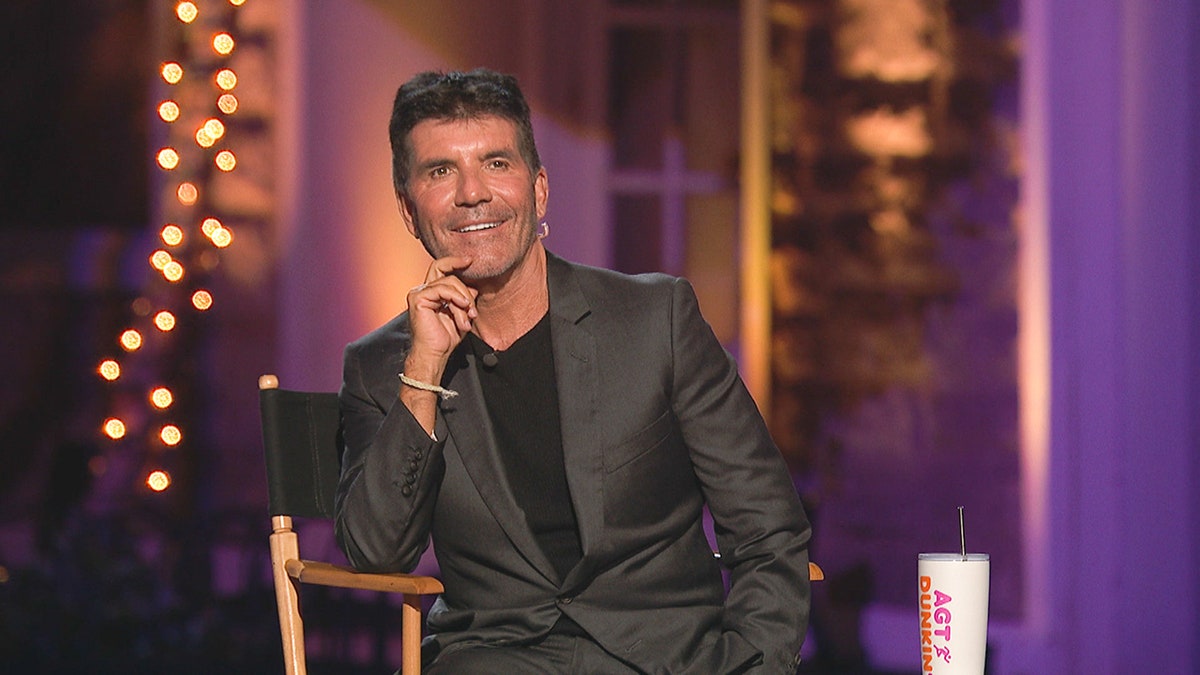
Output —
<point x="325" y="574"/>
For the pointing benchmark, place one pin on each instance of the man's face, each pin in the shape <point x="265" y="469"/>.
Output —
<point x="470" y="193"/>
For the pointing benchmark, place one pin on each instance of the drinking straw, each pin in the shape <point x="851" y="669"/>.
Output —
<point x="962" y="533"/>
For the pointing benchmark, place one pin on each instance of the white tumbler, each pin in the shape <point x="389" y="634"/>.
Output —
<point x="953" y="593"/>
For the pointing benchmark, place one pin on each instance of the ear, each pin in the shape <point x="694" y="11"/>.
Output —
<point x="541" y="192"/>
<point x="407" y="213"/>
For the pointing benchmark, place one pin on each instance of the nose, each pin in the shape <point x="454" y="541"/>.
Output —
<point x="472" y="189"/>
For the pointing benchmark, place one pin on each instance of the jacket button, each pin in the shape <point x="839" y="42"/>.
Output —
<point x="567" y="600"/>
<point x="406" y="490"/>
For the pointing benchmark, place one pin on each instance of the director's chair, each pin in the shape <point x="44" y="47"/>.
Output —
<point x="301" y="440"/>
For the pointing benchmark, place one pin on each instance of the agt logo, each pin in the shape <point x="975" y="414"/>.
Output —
<point x="935" y="625"/>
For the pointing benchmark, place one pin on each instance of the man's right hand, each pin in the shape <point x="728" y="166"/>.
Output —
<point x="440" y="313"/>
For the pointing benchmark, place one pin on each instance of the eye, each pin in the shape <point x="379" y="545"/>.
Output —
<point x="499" y="164"/>
<point x="439" y="171"/>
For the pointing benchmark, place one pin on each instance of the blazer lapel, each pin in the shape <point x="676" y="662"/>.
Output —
<point x="576" y="374"/>
<point x="472" y="436"/>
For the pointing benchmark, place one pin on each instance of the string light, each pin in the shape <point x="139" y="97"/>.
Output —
<point x="168" y="111"/>
<point x="172" y="235"/>
<point x="172" y="72"/>
<point x="161" y="398"/>
<point x="227" y="103"/>
<point x="168" y="158"/>
<point x="225" y="160"/>
<point x="222" y="237"/>
<point x="223" y="44"/>
<point x="226" y="79"/>
<point x="167" y="260"/>
<point x="171" y="435"/>
<point x="131" y="340"/>
<point x="187" y="193"/>
<point x="202" y="300"/>
<point x="160" y="259"/>
<point x="173" y="271"/>
<point x="109" y="370"/>
<point x="187" y="12"/>
<point x="158" y="480"/>
<point x="164" y="321"/>
<point x="214" y="127"/>
<point x="204" y="139"/>
<point x="114" y="428"/>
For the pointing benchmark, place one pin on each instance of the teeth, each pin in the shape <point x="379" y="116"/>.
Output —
<point x="477" y="228"/>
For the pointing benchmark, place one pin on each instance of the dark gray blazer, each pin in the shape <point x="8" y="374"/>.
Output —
<point x="656" y="424"/>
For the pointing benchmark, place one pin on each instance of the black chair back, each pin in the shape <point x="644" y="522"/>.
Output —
<point x="302" y="441"/>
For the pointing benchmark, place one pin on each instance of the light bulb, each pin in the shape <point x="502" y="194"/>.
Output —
<point x="202" y="300"/>
<point x="131" y="340"/>
<point x="168" y="111"/>
<point x="223" y="43"/>
<point x="186" y="11"/>
<point x="158" y="480"/>
<point x="172" y="72"/>
<point x="109" y="369"/>
<point x="114" y="428"/>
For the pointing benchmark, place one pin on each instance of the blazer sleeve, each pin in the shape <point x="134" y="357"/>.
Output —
<point x="761" y="528"/>
<point x="391" y="472"/>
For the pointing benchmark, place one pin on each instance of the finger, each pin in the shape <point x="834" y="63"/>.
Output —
<point x="447" y="266"/>
<point x="462" y="317"/>
<point x="449" y="289"/>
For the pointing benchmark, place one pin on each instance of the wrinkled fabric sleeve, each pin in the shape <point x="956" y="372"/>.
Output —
<point x="390" y="476"/>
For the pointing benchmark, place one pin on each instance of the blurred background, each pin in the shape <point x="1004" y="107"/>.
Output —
<point x="954" y="245"/>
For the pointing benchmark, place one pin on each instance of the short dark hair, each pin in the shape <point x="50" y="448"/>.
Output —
<point x="457" y="96"/>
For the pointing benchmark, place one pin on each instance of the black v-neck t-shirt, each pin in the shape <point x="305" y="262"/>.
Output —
<point x="522" y="402"/>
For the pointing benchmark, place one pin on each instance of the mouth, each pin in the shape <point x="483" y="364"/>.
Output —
<point x="478" y="227"/>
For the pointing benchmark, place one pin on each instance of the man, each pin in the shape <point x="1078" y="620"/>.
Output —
<point x="557" y="430"/>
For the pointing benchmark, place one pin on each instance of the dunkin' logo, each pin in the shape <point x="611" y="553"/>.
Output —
<point x="935" y="625"/>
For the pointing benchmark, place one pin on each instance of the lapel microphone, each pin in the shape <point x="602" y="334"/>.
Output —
<point x="490" y="360"/>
